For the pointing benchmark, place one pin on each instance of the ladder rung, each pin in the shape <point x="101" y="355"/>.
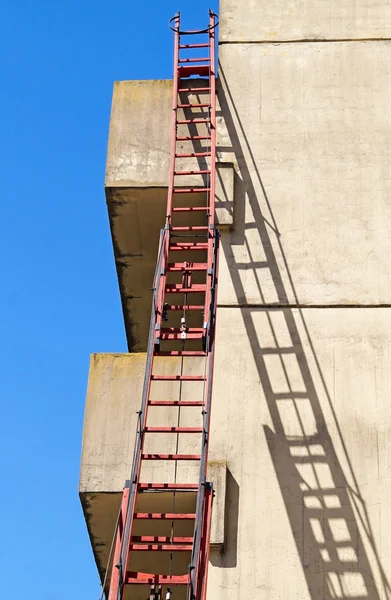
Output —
<point x="133" y="577"/>
<point x="184" y="46"/>
<point x="193" y="60"/>
<point x="188" y="70"/>
<point x="161" y="547"/>
<point x="182" y="487"/>
<point x="188" y="267"/>
<point x="195" y="190"/>
<point x="193" y="155"/>
<point x="177" y="330"/>
<point x="177" y="288"/>
<point x="178" y="336"/>
<point x="195" y="32"/>
<point x="185" y="307"/>
<point x="189" y="121"/>
<point x="190" y="138"/>
<point x="173" y="430"/>
<point x="195" y="90"/>
<point x="193" y="105"/>
<point x="188" y="246"/>
<point x="176" y="402"/>
<point x="191" y="209"/>
<point x="191" y="228"/>
<point x="165" y="516"/>
<point x="161" y="539"/>
<point x="171" y="456"/>
<point x="203" y="172"/>
<point x="177" y="378"/>
<point x="185" y="353"/>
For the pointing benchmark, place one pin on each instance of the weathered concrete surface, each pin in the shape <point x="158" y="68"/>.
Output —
<point x="310" y="138"/>
<point x="303" y="423"/>
<point x="136" y="190"/>
<point x="138" y="153"/>
<point x="303" y="427"/>
<point x="113" y="399"/>
<point x="309" y="143"/>
<point x="278" y="20"/>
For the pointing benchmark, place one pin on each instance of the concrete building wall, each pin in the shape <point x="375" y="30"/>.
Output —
<point x="282" y="20"/>
<point x="301" y="415"/>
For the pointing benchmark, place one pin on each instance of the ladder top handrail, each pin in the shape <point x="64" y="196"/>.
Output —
<point x="194" y="31"/>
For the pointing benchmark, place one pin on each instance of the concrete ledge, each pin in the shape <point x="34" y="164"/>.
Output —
<point x="138" y="153"/>
<point x="137" y="172"/>
<point x="113" y="399"/>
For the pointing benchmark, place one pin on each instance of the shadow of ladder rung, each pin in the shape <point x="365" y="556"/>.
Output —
<point x="321" y="554"/>
<point x="327" y="517"/>
<point x="280" y="446"/>
<point x="329" y="520"/>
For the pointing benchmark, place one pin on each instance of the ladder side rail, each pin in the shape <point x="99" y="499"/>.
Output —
<point x="115" y="582"/>
<point x="210" y="348"/>
<point x="212" y="193"/>
<point x="199" y="569"/>
<point x="205" y="551"/>
<point x="174" y="118"/>
<point x="212" y="38"/>
<point x="215" y="277"/>
<point x="136" y="466"/>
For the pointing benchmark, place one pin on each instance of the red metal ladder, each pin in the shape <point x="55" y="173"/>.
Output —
<point x="183" y="329"/>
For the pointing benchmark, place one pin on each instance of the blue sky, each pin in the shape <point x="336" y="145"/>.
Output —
<point x="60" y="299"/>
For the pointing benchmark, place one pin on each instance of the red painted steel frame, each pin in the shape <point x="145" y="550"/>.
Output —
<point x="212" y="195"/>
<point x="206" y="542"/>
<point x="171" y="175"/>
<point x="125" y="543"/>
<point x="114" y="582"/>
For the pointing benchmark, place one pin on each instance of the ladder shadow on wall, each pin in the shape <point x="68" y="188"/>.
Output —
<point x="333" y="567"/>
<point x="226" y="557"/>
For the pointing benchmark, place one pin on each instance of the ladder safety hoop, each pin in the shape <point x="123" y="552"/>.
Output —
<point x="195" y="31"/>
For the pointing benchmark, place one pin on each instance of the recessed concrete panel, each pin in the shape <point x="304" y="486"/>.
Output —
<point x="309" y="135"/>
<point x="277" y="20"/>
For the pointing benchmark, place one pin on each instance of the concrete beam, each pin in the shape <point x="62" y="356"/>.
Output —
<point x="282" y="20"/>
